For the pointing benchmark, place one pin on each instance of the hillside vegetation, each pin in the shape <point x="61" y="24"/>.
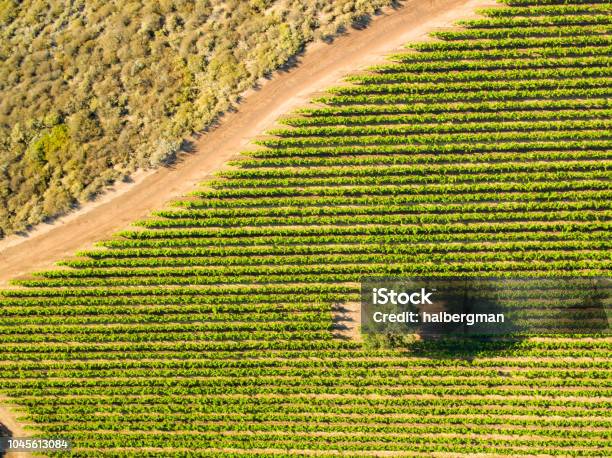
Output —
<point x="90" y="90"/>
<point x="209" y="328"/>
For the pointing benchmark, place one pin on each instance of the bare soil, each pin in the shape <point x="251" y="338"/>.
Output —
<point x="347" y="321"/>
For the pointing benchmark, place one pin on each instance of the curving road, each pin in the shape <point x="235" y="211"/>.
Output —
<point x="321" y="66"/>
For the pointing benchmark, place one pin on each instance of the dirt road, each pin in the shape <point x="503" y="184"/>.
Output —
<point x="321" y="66"/>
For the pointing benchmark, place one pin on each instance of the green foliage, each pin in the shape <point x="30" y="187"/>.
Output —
<point x="7" y="11"/>
<point x="49" y="148"/>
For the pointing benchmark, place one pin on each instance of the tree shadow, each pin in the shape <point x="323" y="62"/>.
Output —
<point x="361" y="22"/>
<point x="450" y="339"/>
<point x="4" y="433"/>
<point x="462" y="340"/>
<point x="513" y="310"/>
<point x="461" y="347"/>
<point x="186" y="149"/>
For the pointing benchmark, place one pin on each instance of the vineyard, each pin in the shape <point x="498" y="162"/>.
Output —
<point x="210" y="328"/>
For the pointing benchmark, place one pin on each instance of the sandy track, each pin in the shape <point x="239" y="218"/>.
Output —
<point x="321" y="66"/>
